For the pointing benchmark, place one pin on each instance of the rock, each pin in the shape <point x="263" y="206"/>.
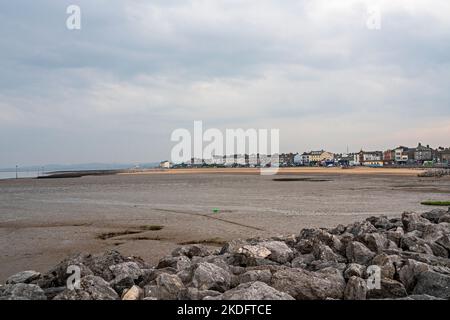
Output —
<point x="304" y="246"/>
<point x="445" y="218"/>
<point x="256" y="275"/>
<point x="409" y="272"/>
<point x="413" y="221"/>
<point x="377" y="242"/>
<point x="388" y="264"/>
<point x="433" y="232"/>
<point x="195" y="250"/>
<point x="125" y="274"/>
<point x="209" y="276"/>
<point x="279" y="251"/>
<point x="301" y="261"/>
<point x="316" y="236"/>
<point x="360" y="228"/>
<point x="91" y="288"/>
<point x="23" y="277"/>
<point x="255" y="291"/>
<point x="134" y="293"/>
<point x="50" y="293"/>
<point x="307" y="285"/>
<point x="390" y="289"/>
<point x="395" y="235"/>
<point x="256" y="251"/>
<point x="324" y="252"/>
<point x="22" y="291"/>
<point x="420" y="297"/>
<point x="169" y="286"/>
<point x="338" y="230"/>
<point x="322" y="264"/>
<point x="434" y="284"/>
<point x="434" y="215"/>
<point x="411" y="242"/>
<point x="354" y="269"/>
<point x="444" y="241"/>
<point x="179" y="263"/>
<point x="195" y="294"/>
<point x="359" y="253"/>
<point x="356" y="289"/>
<point x="381" y="222"/>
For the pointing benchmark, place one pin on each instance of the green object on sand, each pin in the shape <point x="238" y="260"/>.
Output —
<point x="215" y="210"/>
<point x="435" y="203"/>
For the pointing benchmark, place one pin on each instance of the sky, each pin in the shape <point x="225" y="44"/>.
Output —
<point x="116" y="89"/>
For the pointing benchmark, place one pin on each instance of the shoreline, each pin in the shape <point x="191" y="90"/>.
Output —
<point x="285" y="170"/>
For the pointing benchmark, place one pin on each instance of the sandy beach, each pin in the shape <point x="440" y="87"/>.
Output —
<point x="148" y="214"/>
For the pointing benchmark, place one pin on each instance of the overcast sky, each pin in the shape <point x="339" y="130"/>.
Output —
<point x="116" y="89"/>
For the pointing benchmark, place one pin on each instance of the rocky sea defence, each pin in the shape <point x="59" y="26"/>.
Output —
<point x="379" y="258"/>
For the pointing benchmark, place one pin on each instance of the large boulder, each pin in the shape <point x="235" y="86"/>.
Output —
<point x="325" y="253"/>
<point x="434" y="284"/>
<point x="354" y="269"/>
<point x="255" y="291"/>
<point x="358" y="253"/>
<point x="23" y="277"/>
<point x="356" y="289"/>
<point x="388" y="264"/>
<point x="434" y="215"/>
<point x="279" y="251"/>
<point x="125" y="274"/>
<point x="91" y="288"/>
<point x="208" y="276"/>
<point x="377" y="242"/>
<point x="390" y="289"/>
<point x="309" y="285"/>
<point x="413" y="221"/>
<point x="361" y="228"/>
<point x="169" y="286"/>
<point x="22" y="291"/>
<point x="179" y="263"/>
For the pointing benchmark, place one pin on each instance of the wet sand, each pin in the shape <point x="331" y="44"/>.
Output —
<point x="42" y="221"/>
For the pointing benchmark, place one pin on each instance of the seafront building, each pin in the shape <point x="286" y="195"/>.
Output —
<point x="422" y="155"/>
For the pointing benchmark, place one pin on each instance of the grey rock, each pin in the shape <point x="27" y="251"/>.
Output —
<point x="434" y="284"/>
<point x="388" y="264"/>
<point x="395" y="235"/>
<point x="169" y="286"/>
<point x="308" y="285"/>
<point x="434" y="215"/>
<point x="413" y="221"/>
<point x="354" y="269"/>
<point x="210" y="276"/>
<point x="195" y="250"/>
<point x="324" y="252"/>
<point x="195" y="294"/>
<point x="302" y="260"/>
<point x="359" y="253"/>
<point x="304" y="246"/>
<point x="360" y="228"/>
<point x="255" y="291"/>
<point x="390" y="289"/>
<point x="91" y="288"/>
<point x="356" y="289"/>
<point x="22" y="291"/>
<point x="256" y="275"/>
<point x="179" y="263"/>
<point x="445" y="218"/>
<point x="279" y="251"/>
<point x="23" y="277"/>
<point x="377" y="242"/>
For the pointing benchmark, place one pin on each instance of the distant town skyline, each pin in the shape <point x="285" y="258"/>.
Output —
<point x="113" y="91"/>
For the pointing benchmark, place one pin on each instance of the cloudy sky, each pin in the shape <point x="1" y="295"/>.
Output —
<point x="116" y="89"/>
